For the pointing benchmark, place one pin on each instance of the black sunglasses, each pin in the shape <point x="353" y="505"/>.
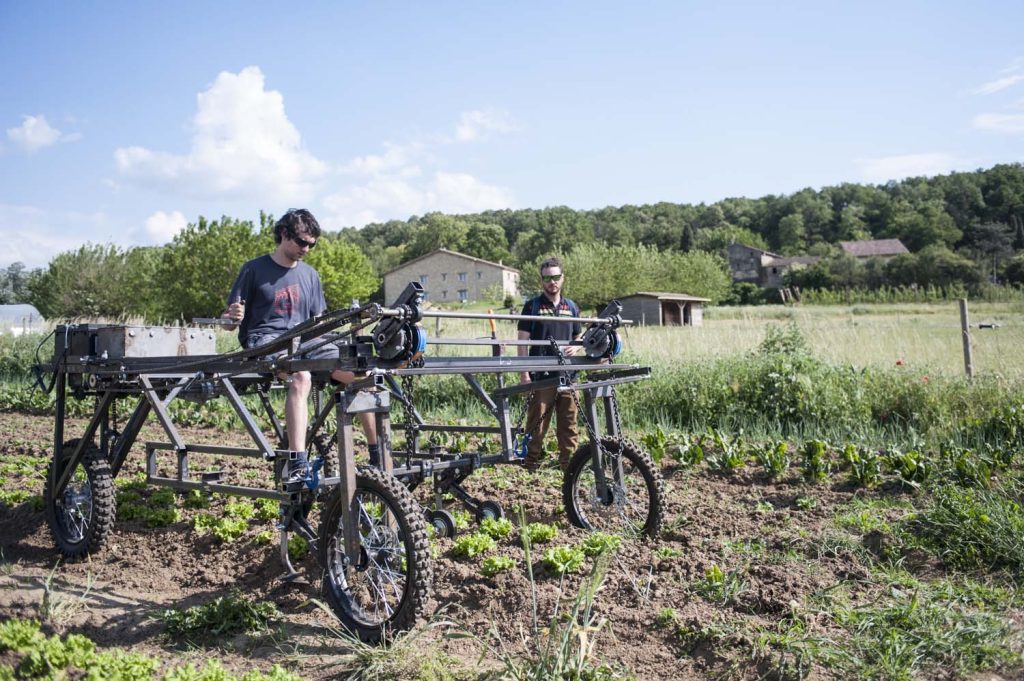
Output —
<point x="303" y="242"/>
<point x="551" y="277"/>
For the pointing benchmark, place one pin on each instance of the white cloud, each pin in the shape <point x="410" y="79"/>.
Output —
<point x="35" y="133"/>
<point x="909" y="165"/>
<point x="396" y="158"/>
<point x="243" y="146"/>
<point x="411" y="179"/>
<point x="1006" y="123"/>
<point x="34" y="235"/>
<point x="161" y="227"/>
<point x="479" y="124"/>
<point x="999" y="84"/>
<point x="389" y="197"/>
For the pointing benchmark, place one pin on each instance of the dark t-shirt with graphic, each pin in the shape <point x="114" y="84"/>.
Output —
<point x="276" y="298"/>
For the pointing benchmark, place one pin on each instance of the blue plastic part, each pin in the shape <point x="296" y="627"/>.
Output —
<point x="524" y="441"/>
<point x="313" y="480"/>
<point x="617" y="346"/>
<point x="421" y="339"/>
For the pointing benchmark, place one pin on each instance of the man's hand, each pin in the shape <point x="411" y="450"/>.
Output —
<point x="235" y="311"/>
<point x="572" y="350"/>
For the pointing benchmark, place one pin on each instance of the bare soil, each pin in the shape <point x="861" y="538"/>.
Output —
<point x="740" y="522"/>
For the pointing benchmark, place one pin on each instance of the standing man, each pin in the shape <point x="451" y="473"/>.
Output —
<point x="550" y="303"/>
<point x="274" y="293"/>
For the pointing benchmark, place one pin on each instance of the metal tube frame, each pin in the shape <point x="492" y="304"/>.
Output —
<point x="159" y="381"/>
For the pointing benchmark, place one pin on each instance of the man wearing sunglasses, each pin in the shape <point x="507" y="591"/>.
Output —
<point x="274" y="293"/>
<point x="551" y="304"/>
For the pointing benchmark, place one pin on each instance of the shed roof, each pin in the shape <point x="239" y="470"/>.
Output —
<point x="455" y="253"/>
<point x="874" y="247"/>
<point x="669" y="296"/>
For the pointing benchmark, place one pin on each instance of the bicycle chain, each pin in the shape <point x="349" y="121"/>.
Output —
<point x="591" y="427"/>
<point x="411" y="429"/>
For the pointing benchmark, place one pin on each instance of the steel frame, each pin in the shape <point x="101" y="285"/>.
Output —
<point x="156" y="382"/>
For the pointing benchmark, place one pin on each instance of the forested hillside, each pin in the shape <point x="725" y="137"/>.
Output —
<point x="963" y="229"/>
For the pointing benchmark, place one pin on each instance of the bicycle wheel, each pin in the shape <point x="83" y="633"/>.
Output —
<point x="631" y="503"/>
<point x="82" y="516"/>
<point x="388" y="586"/>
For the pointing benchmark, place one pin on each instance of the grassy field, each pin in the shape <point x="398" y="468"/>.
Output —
<point x="925" y="336"/>
<point x="840" y="503"/>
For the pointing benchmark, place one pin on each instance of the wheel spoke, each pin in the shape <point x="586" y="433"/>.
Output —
<point x="384" y="589"/>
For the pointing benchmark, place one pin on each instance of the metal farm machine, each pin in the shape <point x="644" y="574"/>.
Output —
<point x="372" y="540"/>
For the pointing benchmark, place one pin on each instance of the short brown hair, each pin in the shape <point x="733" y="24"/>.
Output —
<point x="551" y="262"/>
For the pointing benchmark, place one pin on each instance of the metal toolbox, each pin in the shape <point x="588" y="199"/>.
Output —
<point x="117" y="341"/>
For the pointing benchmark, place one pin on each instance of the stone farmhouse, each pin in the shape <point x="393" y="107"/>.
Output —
<point x="450" y="277"/>
<point x="766" y="269"/>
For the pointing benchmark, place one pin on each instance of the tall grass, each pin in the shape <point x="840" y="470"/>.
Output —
<point x="861" y="374"/>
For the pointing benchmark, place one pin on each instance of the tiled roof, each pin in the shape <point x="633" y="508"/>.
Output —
<point x="457" y="254"/>
<point x="873" y="247"/>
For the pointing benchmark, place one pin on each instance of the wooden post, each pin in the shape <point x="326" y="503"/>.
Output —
<point x="965" y="331"/>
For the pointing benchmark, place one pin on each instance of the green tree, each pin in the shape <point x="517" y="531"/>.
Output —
<point x="993" y="242"/>
<point x="686" y="242"/>
<point x="487" y="242"/>
<point x="199" y="266"/>
<point x="597" y="273"/>
<point x="922" y="225"/>
<point x="792" y="234"/>
<point x="716" y="240"/>
<point x="435" y="231"/>
<point x="13" y="282"/>
<point x="1014" y="272"/>
<point x="82" y="283"/>
<point x="345" y="271"/>
<point x="139" y="276"/>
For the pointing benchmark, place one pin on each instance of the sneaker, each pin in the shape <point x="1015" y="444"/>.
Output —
<point x="298" y="467"/>
<point x="532" y="465"/>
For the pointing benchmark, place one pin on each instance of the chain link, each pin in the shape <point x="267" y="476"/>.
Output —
<point x="591" y="427"/>
<point x="411" y="431"/>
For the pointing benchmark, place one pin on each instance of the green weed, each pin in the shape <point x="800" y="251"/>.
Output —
<point x="718" y="586"/>
<point x="225" y="615"/>
<point x="974" y="528"/>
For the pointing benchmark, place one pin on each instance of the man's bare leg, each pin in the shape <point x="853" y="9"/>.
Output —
<point x="296" y="410"/>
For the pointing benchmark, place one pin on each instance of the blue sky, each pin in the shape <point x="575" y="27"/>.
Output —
<point x="121" y="122"/>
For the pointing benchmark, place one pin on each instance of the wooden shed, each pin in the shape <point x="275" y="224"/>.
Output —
<point x="664" y="309"/>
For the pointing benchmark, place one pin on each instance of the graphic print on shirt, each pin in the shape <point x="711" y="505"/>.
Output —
<point x="285" y="300"/>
